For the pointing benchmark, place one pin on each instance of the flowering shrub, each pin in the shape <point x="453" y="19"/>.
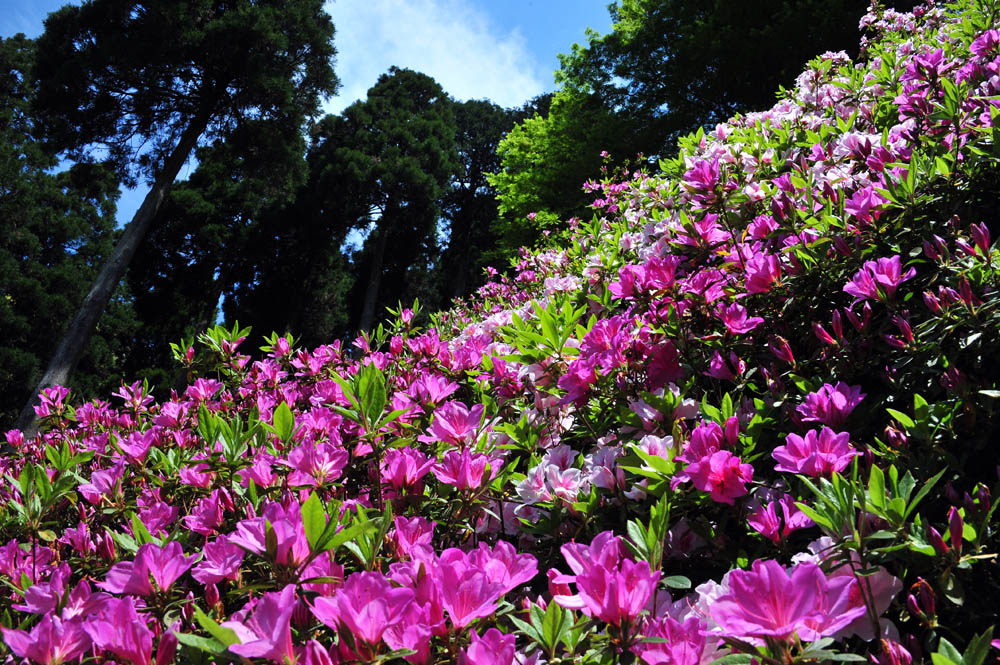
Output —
<point x="747" y="413"/>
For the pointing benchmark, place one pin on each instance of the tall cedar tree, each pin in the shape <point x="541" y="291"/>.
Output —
<point x="144" y="81"/>
<point x="469" y="206"/>
<point x="205" y="231"/>
<point x="399" y="143"/>
<point x="55" y="228"/>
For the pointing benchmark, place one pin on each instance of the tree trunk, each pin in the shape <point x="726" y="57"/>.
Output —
<point x="374" y="276"/>
<point x="83" y="324"/>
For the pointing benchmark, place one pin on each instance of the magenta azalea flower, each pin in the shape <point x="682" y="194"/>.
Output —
<point x="266" y="632"/>
<point x="52" y="641"/>
<point x="831" y="405"/>
<point x="722" y="475"/>
<point x="493" y="648"/>
<point x="766" y="520"/>
<point x="119" y="629"/>
<point x="163" y="564"/>
<point x="769" y="602"/>
<point x="466" y="471"/>
<point x="815" y="455"/>
<point x="454" y="423"/>
<point x="366" y="605"/>
<point x="683" y="642"/>
<point x="878" y="280"/>
<point x="221" y="561"/>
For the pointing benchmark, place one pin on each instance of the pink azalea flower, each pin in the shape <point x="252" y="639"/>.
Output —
<point x="316" y="464"/>
<point x="684" y="641"/>
<point x="766" y="521"/>
<point x="613" y="594"/>
<point x="52" y="641"/>
<point x="413" y="532"/>
<point x="762" y="271"/>
<point x="878" y="280"/>
<point x="404" y="467"/>
<point x="118" y="628"/>
<point x="503" y="565"/>
<point x="266" y="631"/>
<point x="163" y="564"/>
<point x="454" y="423"/>
<point x="493" y="648"/>
<point x="221" y="561"/>
<point x="722" y="475"/>
<point x="815" y="455"/>
<point x="365" y="606"/>
<point x="465" y="470"/>
<point x="831" y="405"/>
<point x="736" y="320"/>
<point x="206" y="516"/>
<point x="467" y="593"/>
<point x="768" y="601"/>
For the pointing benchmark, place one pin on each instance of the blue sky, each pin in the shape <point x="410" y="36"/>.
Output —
<point x="503" y="50"/>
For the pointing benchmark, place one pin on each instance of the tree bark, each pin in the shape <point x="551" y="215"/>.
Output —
<point x="374" y="275"/>
<point x="73" y="342"/>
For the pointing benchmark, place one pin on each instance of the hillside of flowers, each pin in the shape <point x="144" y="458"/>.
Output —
<point x="746" y="415"/>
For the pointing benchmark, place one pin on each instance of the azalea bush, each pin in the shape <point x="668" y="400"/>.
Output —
<point x="747" y="414"/>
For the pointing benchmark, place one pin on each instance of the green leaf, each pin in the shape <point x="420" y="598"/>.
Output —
<point x="876" y="488"/>
<point x="284" y="422"/>
<point x="203" y="643"/>
<point x="676" y="582"/>
<point x="139" y="531"/>
<point x="903" y="419"/>
<point x="922" y="493"/>
<point x="979" y="647"/>
<point x="226" y="636"/>
<point x="313" y="520"/>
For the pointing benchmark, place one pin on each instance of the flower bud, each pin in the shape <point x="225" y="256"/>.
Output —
<point x="955" y="527"/>
<point x="936" y="541"/>
<point x="211" y="595"/>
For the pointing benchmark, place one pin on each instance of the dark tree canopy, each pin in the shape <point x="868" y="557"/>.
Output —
<point x="140" y="83"/>
<point x="399" y="142"/>
<point x="132" y="76"/>
<point x="55" y="229"/>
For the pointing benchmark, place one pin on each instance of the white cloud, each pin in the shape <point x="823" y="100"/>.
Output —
<point x="446" y="39"/>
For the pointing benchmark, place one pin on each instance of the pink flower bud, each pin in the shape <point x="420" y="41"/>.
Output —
<point x="955" y="526"/>
<point x="933" y="304"/>
<point x="822" y="335"/>
<point x="937" y="542"/>
<point x="981" y="236"/>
